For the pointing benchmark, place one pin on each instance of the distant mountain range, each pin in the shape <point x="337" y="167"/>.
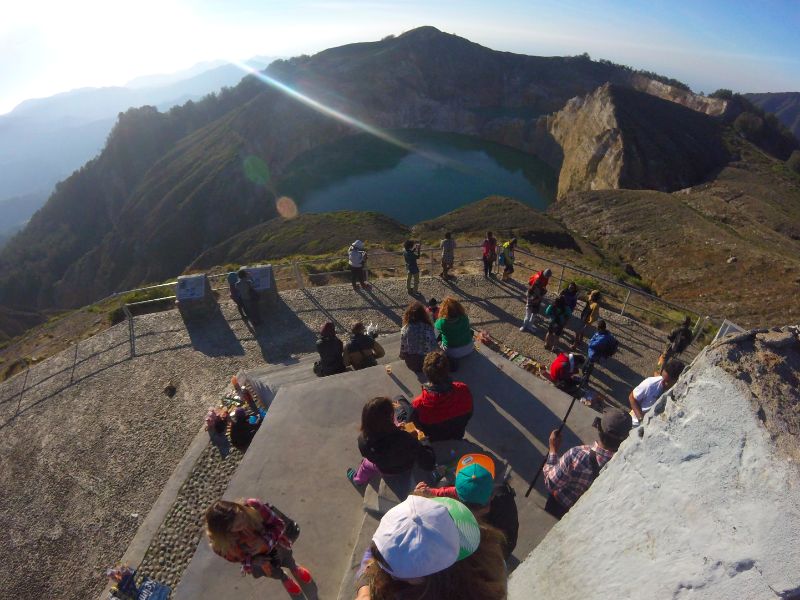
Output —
<point x="169" y="186"/>
<point x="785" y="106"/>
<point x="43" y="140"/>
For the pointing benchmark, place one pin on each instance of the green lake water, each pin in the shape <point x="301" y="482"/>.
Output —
<point x="441" y="172"/>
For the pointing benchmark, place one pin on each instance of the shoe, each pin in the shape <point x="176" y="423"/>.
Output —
<point x="290" y="585"/>
<point x="351" y="472"/>
<point x="302" y="574"/>
<point x="366" y="286"/>
<point x="522" y="328"/>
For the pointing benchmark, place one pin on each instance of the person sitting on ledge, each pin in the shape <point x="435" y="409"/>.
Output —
<point x="453" y="325"/>
<point x="489" y="502"/>
<point x="417" y="336"/>
<point x="330" y="350"/>
<point x="564" y="371"/>
<point x="387" y="448"/>
<point x="644" y="395"/>
<point x="362" y="350"/>
<point x="255" y="534"/>
<point x="570" y="476"/>
<point x="444" y="407"/>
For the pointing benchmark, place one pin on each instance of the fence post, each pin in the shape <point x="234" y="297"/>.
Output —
<point x="74" y="362"/>
<point x="560" y="280"/>
<point x="433" y="265"/>
<point x="131" y="334"/>
<point x="625" y="304"/>
<point x="22" y="391"/>
<point x="298" y="277"/>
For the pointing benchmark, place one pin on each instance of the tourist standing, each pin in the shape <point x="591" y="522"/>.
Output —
<point x="448" y="245"/>
<point x="255" y="534"/>
<point x="330" y="350"/>
<point x="417" y="336"/>
<point x="677" y="341"/>
<point x="644" y="395"/>
<point x="411" y="252"/>
<point x="568" y="477"/>
<point x="249" y="296"/>
<point x="453" y="325"/>
<point x="507" y="258"/>
<point x="387" y="448"/>
<point x="542" y="278"/>
<point x="489" y="247"/>
<point x="533" y="299"/>
<point x="362" y="350"/>
<point x="558" y="314"/>
<point x="357" y="259"/>
<point x="234" y="294"/>
<point x="444" y="407"/>
<point x="589" y="314"/>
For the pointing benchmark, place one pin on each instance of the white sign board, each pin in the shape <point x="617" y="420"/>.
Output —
<point x="191" y="287"/>
<point x="261" y="276"/>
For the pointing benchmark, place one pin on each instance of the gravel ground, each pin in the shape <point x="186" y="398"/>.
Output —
<point x="89" y="438"/>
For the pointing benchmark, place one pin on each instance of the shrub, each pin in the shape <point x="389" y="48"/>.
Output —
<point x="794" y="162"/>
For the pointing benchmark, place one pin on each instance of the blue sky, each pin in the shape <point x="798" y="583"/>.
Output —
<point x="49" y="46"/>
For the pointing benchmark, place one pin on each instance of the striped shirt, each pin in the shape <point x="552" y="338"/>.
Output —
<point x="569" y="477"/>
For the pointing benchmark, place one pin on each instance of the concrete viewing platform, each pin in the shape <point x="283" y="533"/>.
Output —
<point x="299" y="457"/>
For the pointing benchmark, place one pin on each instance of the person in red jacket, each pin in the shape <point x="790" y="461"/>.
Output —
<point x="542" y="278"/>
<point x="564" y="371"/>
<point x="444" y="407"/>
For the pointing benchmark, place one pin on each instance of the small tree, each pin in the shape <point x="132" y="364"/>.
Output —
<point x="794" y="162"/>
<point x="750" y="125"/>
<point x="722" y="94"/>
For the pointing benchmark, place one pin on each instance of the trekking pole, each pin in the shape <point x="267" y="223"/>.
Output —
<point x="575" y="396"/>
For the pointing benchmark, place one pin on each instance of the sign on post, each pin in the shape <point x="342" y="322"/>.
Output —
<point x="194" y="296"/>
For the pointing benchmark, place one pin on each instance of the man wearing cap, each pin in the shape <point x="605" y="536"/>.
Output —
<point x="475" y="487"/>
<point x="570" y="476"/>
<point x="431" y="548"/>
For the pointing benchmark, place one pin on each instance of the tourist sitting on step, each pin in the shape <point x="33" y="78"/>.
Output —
<point x="568" y="477"/>
<point x="444" y="407"/>
<point x="432" y="549"/>
<point x="258" y="536"/>
<point x="362" y="350"/>
<point x="417" y="336"/>
<point x="490" y="502"/>
<point x="644" y="395"/>
<point x="454" y="328"/>
<point x="387" y="448"/>
<point x="330" y="350"/>
<point x="565" y="371"/>
<point x="243" y="428"/>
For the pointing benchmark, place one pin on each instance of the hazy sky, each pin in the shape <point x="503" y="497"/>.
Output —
<point x="50" y="46"/>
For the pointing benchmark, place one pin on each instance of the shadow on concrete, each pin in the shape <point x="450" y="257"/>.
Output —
<point x="371" y="296"/>
<point x="213" y="336"/>
<point x="505" y="411"/>
<point x="282" y="332"/>
<point x="328" y="315"/>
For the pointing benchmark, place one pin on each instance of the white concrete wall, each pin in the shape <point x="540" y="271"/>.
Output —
<point x="700" y="507"/>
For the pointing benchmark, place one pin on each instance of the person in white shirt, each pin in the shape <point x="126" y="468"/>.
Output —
<point x="648" y="391"/>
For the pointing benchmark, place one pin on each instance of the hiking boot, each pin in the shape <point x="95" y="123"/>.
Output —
<point x="290" y="585"/>
<point x="302" y="574"/>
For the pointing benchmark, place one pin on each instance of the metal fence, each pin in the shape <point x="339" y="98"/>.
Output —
<point x="617" y="296"/>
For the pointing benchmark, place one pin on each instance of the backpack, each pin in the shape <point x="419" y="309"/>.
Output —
<point x="681" y="341"/>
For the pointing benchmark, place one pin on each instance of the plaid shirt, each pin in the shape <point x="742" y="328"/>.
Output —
<point x="568" y="478"/>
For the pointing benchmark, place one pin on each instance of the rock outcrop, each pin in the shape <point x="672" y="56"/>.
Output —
<point x="618" y="137"/>
<point x="705" y="503"/>
<point x="715" y="107"/>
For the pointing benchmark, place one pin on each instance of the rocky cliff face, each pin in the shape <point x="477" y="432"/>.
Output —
<point x="704" y="503"/>
<point x="714" y="107"/>
<point x="617" y="137"/>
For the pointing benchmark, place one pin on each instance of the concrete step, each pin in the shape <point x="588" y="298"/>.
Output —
<point x="299" y="458"/>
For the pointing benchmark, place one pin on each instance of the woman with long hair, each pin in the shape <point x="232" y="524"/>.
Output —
<point x="453" y="325"/>
<point x="330" y="350"/>
<point x="387" y="448"/>
<point x="256" y="535"/>
<point x="433" y="549"/>
<point x="417" y="336"/>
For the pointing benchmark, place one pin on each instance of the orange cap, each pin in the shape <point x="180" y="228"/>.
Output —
<point x="476" y="459"/>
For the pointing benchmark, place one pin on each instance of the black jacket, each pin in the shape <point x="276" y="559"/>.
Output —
<point x="396" y="452"/>
<point x="330" y="354"/>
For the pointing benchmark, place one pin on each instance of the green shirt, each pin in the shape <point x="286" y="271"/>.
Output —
<point x="455" y="332"/>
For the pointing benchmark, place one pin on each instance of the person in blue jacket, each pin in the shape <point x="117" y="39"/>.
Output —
<point x="602" y="345"/>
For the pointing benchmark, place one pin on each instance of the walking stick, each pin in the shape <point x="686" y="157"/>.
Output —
<point x="575" y="396"/>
